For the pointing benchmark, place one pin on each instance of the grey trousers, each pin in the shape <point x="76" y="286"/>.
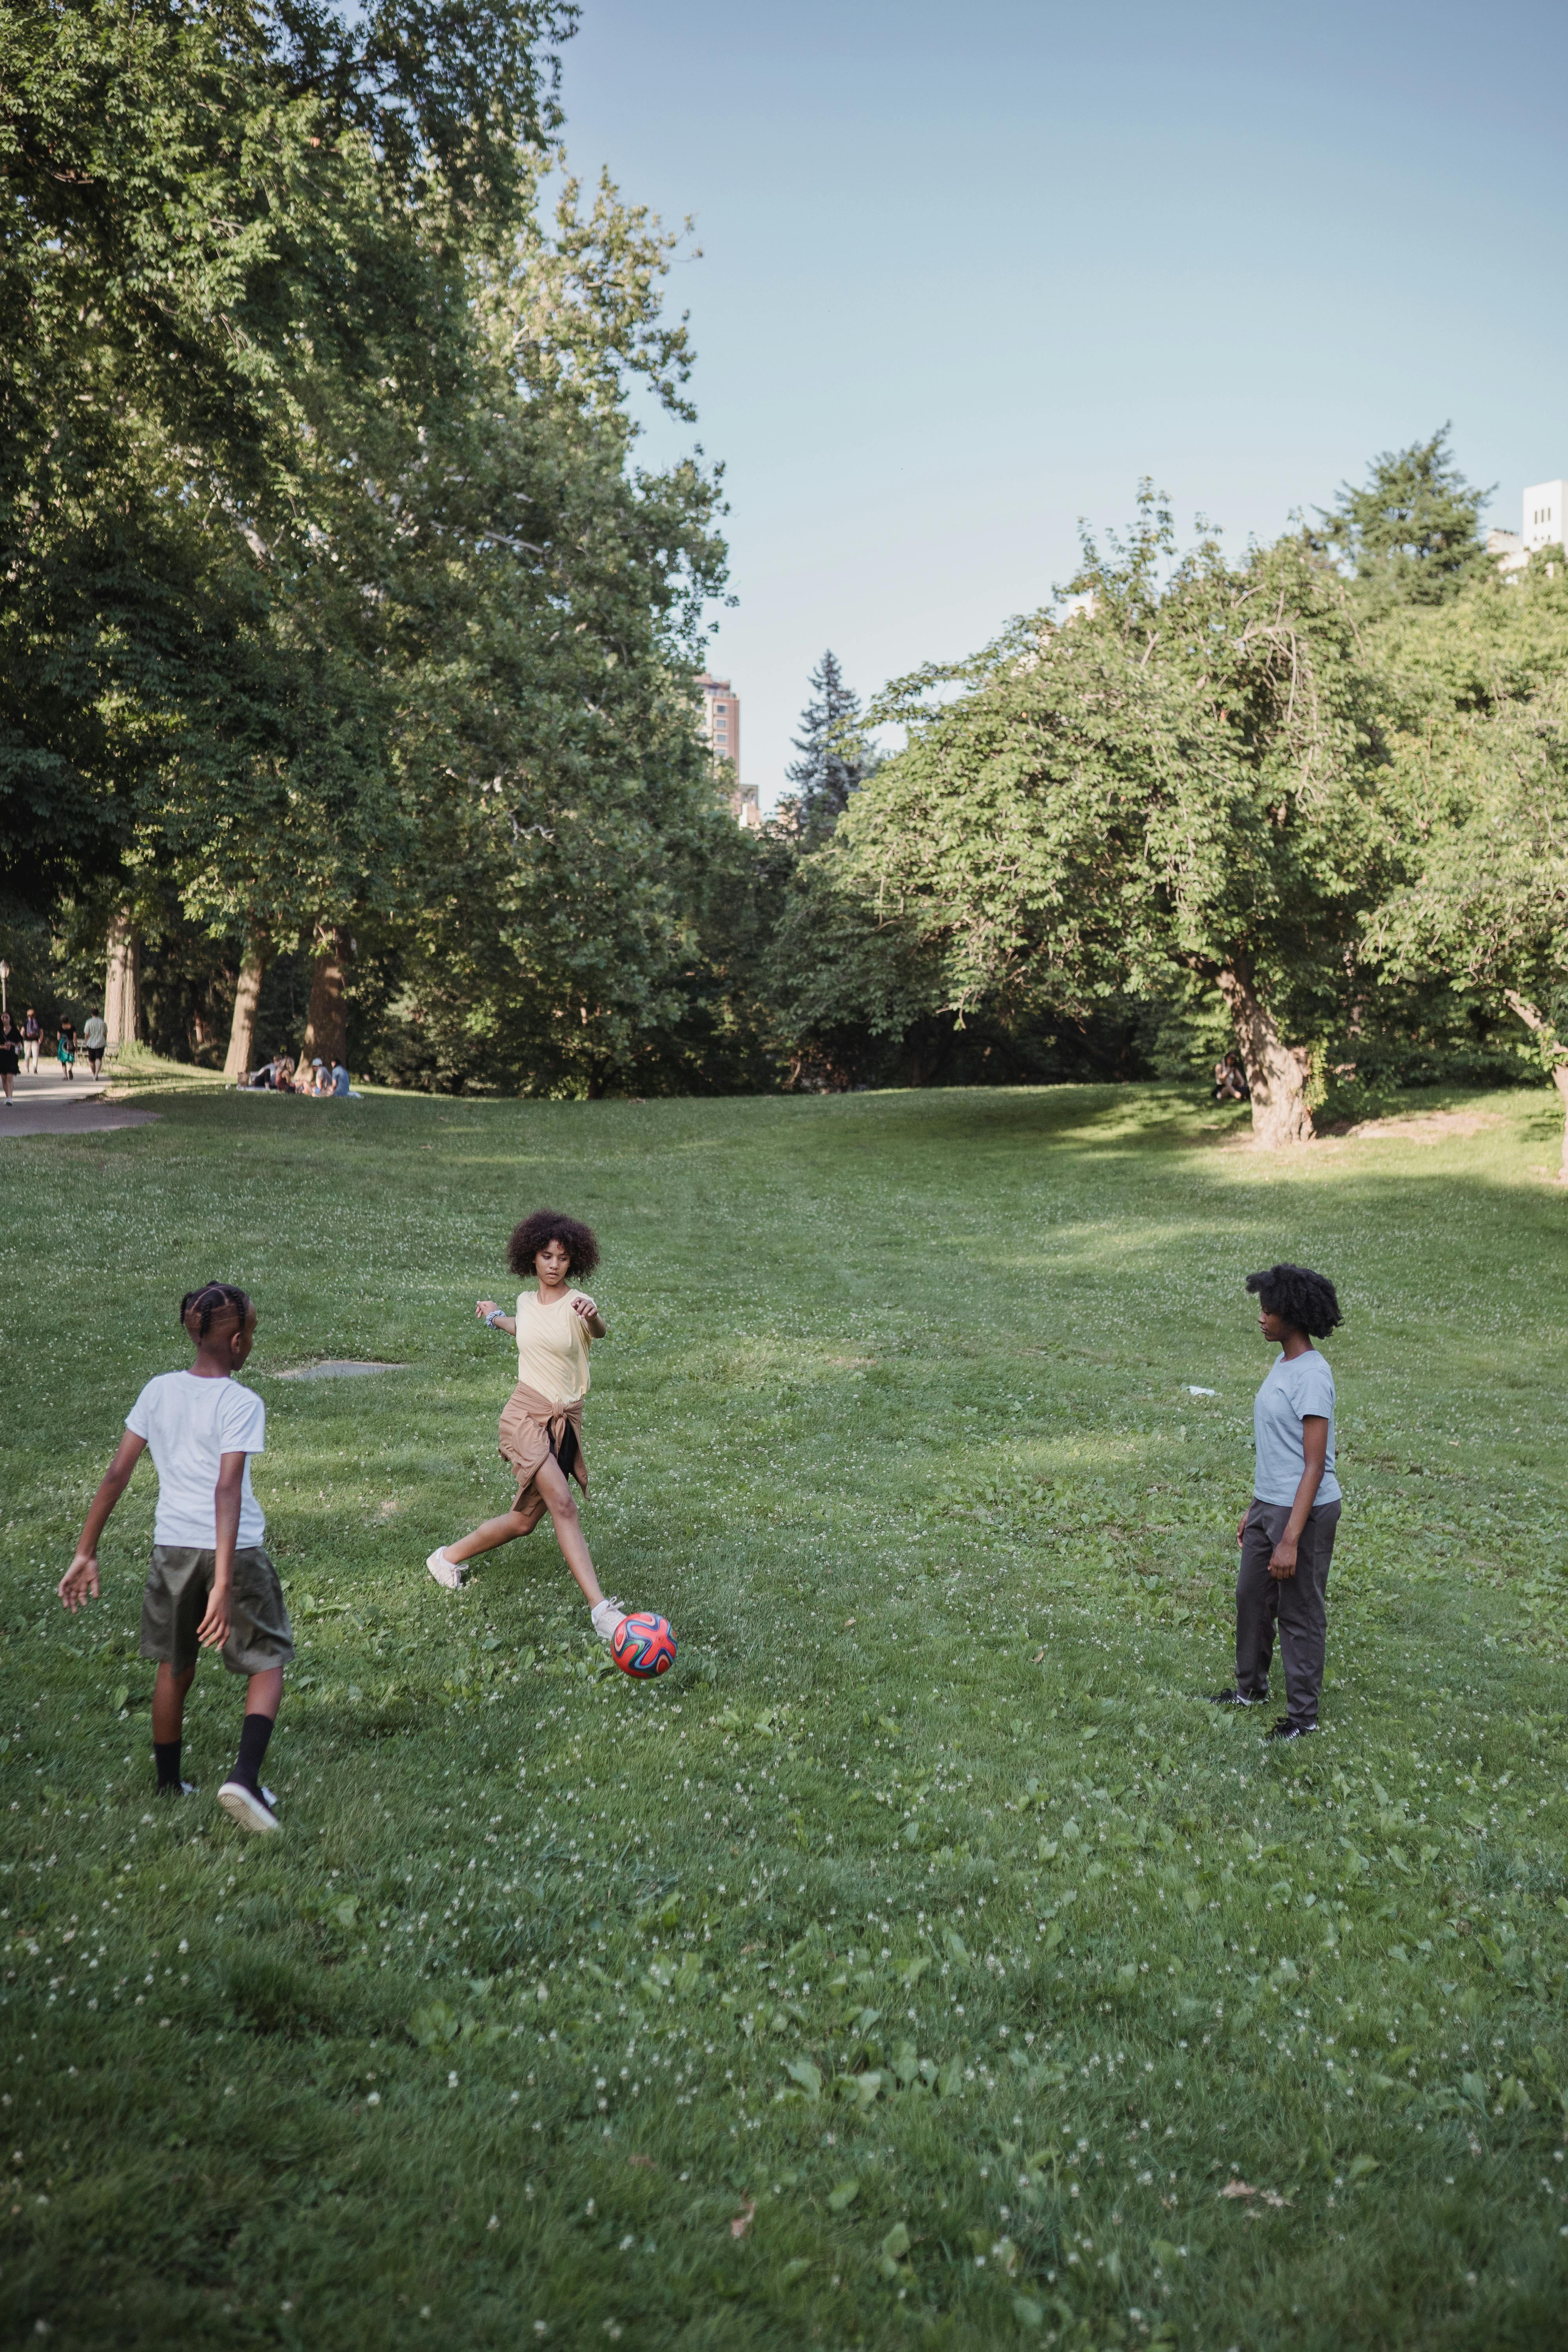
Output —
<point x="1299" y="1603"/>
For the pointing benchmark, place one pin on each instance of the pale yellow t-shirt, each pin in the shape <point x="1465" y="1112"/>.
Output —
<point x="553" y="1348"/>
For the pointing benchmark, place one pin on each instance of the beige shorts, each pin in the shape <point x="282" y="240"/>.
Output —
<point x="175" y="1601"/>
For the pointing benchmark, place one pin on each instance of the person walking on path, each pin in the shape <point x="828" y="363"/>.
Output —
<point x="211" y="1585"/>
<point x="32" y="1038"/>
<point x="65" y="1046"/>
<point x="1287" y="1535"/>
<point x="95" y="1038"/>
<point x="542" y="1428"/>
<point x="11" y="1044"/>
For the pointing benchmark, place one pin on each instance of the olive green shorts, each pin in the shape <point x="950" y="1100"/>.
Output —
<point x="179" y="1583"/>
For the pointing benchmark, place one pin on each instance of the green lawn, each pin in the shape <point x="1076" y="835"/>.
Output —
<point x="922" y="1961"/>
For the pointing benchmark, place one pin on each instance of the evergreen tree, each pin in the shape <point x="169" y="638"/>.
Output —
<point x="1412" y="534"/>
<point x="835" y="759"/>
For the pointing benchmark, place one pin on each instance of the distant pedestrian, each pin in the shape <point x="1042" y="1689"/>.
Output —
<point x="1286" y="1536"/>
<point x="11" y="1042"/>
<point x="65" y="1047"/>
<point x="95" y="1038"/>
<point x="32" y="1038"/>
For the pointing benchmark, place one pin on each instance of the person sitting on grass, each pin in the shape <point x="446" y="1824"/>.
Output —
<point x="542" y="1427"/>
<point x="1286" y="1536"/>
<point x="211" y="1585"/>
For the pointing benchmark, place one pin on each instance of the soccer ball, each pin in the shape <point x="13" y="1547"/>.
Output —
<point x="644" y="1646"/>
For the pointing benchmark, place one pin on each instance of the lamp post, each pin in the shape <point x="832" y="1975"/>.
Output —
<point x="5" y="976"/>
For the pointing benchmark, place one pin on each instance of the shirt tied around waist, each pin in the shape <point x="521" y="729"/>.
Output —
<point x="535" y="1429"/>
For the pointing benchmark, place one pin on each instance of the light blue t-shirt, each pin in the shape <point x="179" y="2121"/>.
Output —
<point x="1296" y="1387"/>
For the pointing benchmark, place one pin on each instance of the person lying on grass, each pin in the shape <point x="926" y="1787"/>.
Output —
<point x="1286" y="1534"/>
<point x="542" y="1427"/>
<point x="211" y="1585"/>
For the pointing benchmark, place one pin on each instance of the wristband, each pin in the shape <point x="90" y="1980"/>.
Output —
<point x="494" y="1318"/>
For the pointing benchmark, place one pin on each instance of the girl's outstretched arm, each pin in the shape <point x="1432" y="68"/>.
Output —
<point x="486" y="1308"/>
<point x="80" y="1582"/>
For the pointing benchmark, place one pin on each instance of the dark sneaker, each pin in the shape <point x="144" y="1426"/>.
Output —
<point x="253" y="1809"/>
<point x="1286" y="1729"/>
<point x="1237" y="1698"/>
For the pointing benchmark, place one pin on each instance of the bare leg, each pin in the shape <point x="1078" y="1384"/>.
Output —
<point x="169" y="1702"/>
<point x="563" y="1509"/>
<point x="556" y="1490"/>
<point x="264" y="1692"/>
<point x="8" y="1082"/>
<point x="494" y="1531"/>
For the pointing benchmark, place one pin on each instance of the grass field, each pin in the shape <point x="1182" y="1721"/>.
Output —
<point x="922" y="1961"/>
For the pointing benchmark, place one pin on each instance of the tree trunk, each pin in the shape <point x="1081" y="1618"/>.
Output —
<point x="1536" y="1021"/>
<point x="1276" y="1073"/>
<point x="122" y="983"/>
<point x="326" y="1030"/>
<point x="242" y="1034"/>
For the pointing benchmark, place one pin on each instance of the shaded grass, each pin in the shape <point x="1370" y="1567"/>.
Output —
<point x="923" y="1922"/>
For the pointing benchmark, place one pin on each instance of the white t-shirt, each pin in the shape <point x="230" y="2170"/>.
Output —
<point x="189" y="1424"/>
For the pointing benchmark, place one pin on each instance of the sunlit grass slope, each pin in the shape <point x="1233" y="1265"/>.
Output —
<point x="923" y="1961"/>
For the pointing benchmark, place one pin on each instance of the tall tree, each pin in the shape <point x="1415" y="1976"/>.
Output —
<point x="1411" y="534"/>
<point x="227" y="229"/>
<point x="1176" y="785"/>
<point x="1478" y="803"/>
<point x="835" y="758"/>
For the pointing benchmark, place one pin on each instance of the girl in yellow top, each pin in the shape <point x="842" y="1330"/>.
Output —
<point x="542" y="1427"/>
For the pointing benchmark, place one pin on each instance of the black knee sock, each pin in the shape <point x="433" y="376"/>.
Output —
<point x="166" y="1755"/>
<point x="254" y="1733"/>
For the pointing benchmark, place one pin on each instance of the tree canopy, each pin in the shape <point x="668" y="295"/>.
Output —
<point x="1411" y="534"/>
<point x="335" y="602"/>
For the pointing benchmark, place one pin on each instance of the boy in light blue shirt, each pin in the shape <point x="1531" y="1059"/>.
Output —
<point x="1286" y="1536"/>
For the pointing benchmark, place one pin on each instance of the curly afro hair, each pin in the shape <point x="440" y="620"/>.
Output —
<point x="1298" y="1297"/>
<point x="536" y="1231"/>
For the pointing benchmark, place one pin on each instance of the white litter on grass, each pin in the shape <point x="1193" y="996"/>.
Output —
<point x="1191" y="1391"/>
<point x="336" y="1369"/>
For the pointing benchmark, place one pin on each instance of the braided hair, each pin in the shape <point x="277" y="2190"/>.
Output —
<point x="197" y="1308"/>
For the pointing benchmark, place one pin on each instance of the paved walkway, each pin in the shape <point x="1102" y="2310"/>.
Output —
<point x="50" y="1105"/>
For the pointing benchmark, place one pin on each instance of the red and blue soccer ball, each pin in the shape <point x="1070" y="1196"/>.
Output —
<point x="644" y="1646"/>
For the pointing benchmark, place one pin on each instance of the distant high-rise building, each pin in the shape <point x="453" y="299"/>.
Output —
<point x="721" y="718"/>
<point x="1544" y="520"/>
<point x="722" y="733"/>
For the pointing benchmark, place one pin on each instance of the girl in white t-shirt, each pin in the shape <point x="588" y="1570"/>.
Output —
<point x="542" y="1427"/>
<point x="212" y="1584"/>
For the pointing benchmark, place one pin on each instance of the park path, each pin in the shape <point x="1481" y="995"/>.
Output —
<point x="47" y="1104"/>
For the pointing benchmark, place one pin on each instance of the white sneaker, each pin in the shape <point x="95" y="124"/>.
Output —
<point x="251" y="1809"/>
<point x="452" y="1574"/>
<point x="608" y="1615"/>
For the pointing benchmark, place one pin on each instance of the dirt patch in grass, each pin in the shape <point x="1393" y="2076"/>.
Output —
<point x="1419" y="1127"/>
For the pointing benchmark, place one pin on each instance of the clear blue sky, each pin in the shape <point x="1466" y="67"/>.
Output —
<point x="969" y="272"/>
